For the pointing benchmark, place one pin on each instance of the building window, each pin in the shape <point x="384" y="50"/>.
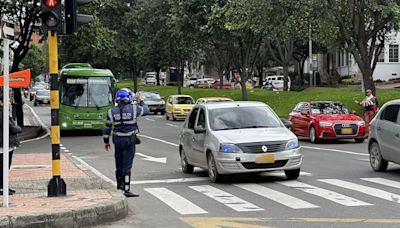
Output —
<point x="394" y="53"/>
<point x="381" y="57"/>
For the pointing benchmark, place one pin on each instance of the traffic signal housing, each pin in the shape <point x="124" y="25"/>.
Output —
<point x="72" y="19"/>
<point x="51" y="15"/>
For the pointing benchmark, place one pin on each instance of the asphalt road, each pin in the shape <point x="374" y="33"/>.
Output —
<point x="337" y="187"/>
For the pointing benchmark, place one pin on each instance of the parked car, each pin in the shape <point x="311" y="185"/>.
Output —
<point x="226" y="84"/>
<point x="178" y="106"/>
<point x="237" y="137"/>
<point x="320" y="120"/>
<point x="204" y="83"/>
<point x="191" y="82"/>
<point x="32" y="91"/>
<point x="204" y="100"/>
<point x="275" y="83"/>
<point x="384" y="137"/>
<point x="42" y="96"/>
<point x="155" y="102"/>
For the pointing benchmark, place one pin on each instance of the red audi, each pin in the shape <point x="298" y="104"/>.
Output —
<point x="319" y="120"/>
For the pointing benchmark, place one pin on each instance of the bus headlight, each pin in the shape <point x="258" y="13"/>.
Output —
<point x="64" y="124"/>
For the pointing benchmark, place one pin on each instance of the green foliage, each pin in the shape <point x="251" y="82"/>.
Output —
<point x="347" y="81"/>
<point x="36" y="60"/>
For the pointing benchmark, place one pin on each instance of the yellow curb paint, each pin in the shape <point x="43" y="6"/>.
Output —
<point x="55" y="134"/>
<point x="56" y="167"/>
<point x="217" y="222"/>
<point x="54" y="99"/>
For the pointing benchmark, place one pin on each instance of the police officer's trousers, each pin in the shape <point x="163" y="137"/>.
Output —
<point x="124" y="153"/>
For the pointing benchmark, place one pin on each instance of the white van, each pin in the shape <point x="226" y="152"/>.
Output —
<point x="275" y="82"/>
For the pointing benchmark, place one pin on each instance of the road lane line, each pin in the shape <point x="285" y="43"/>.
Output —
<point x="95" y="171"/>
<point x="382" y="181"/>
<point x="364" y="189"/>
<point x="226" y="198"/>
<point x="326" y="194"/>
<point x="150" y="119"/>
<point x="276" y="196"/>
<point x="41" y="123"/>
<point x="159" y="140"/>
<point x="172" y="125"/>
<point x="334" y="150"/>
<point x="175" y="201"/>
<point x="168" y="181"/>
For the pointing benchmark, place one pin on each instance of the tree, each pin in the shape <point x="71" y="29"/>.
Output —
<point x="36" y="60"/>
<point x="362" y="26"/>
<point x="26" y="17"/>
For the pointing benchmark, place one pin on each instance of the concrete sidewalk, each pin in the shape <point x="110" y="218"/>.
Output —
<point x="90" y="199"/>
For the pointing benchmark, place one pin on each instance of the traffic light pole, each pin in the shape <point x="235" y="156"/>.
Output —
<point x="56" y="186"/>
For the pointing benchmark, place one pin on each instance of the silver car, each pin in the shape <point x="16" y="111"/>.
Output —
<point x="384" y="137"/>
<point x="237" y="137"/>
<point x="42" y="96"/>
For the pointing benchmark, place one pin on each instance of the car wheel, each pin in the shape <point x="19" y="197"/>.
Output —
<point x="313" y="135"/>
<point x="292" y="174"/>
<point x="173" y="117"/>
<point x="359" y="140"/>
<point x="186" y="167"/>
<point x="212" y="169"/>
<point x="162" y="112"/>
<point x="35" y="103"/>
<point x="166" y="116"/>
<point x="376" y="160"/>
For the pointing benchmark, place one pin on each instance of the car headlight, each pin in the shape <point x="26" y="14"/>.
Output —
<point x="325" y="124"/>
<point x="229" y="148"/>
<point x="361" y="123"/>
<point x="292" y="144"/>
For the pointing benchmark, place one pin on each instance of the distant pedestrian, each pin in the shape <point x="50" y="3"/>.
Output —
<point x="122" y="122"/>
<point x="14" y="130"/>
<point x="370" y="105"/>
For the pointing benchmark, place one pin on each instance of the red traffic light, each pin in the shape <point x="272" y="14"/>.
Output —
<point x="51" y="3"/>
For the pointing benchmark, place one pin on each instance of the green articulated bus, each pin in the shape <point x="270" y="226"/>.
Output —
<point x="86" y="94"/>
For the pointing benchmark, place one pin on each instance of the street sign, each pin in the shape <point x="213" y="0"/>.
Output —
<point x="20" y="79"/>
<point x="7" y="30"/>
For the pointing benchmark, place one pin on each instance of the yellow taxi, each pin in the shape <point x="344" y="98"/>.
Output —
<point x="178" y="106"/>
<point x="204" y="100"/>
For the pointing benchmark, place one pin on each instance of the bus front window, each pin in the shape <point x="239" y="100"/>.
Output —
<point x="86" y="92"/>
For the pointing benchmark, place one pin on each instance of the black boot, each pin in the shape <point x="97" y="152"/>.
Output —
<point x="127" y="186"/>
<point x="120" y="180"/>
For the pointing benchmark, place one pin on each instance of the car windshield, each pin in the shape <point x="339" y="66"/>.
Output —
<point x="184" y="100"/>
<point x="242" y="117"/>
<point x="328" y="108"/>
<point x="150" y="96"/>
<point x="86" y="92"/>
<point x="43" y="92"/>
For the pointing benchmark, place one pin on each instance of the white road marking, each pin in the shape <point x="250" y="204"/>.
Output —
<point x="84" y="165"/>
<point x="364" y="189"/>
<point x="172" y="125"/>
<point x="63" y="148"/>
<point x="334" y="150"/>
<point x="41" y="123"/>
<point x="276" y="196"/>
<point x="282" y="174"/>
<point x="150" y="119"/>
<point x="168" y="181"/>
<point x="159" y="140"/>
<point x="175" y="201"/>
<point x="382" y="181"/>
<point x="226" y="198"/>
<point x="66" y="151"/>
<point x="326" y="194"/>
<point x="153" y="159"/>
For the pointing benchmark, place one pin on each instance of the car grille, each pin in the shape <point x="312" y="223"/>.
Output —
<point x="338" y="128"/>
<point x="253" y="165"/>
<point x="255" y="148"/>
<point x="155" y="106"/>
<point x="186" y="110"/>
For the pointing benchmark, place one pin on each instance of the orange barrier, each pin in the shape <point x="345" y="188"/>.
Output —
<point x="20" y="79"/>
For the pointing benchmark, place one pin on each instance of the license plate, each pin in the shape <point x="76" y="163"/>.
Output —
<point x="347" y="131"/>
<point x="265" y="158"/>
<point x="152" y="109"/>
<point x="87" y="126"/>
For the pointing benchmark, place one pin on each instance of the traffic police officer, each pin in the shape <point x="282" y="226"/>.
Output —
<point x="122" y="121"/>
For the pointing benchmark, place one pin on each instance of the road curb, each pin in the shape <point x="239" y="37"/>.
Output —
<point x="41" y="133"/>
<point x="113" y="210"/>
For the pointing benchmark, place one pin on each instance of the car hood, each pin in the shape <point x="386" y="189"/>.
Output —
<point x="250" y="135"/>
<point x="184" y="106"/>
<point x="337" y="117"/>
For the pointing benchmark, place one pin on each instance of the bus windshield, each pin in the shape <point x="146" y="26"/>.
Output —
<point x="86" y="91"/>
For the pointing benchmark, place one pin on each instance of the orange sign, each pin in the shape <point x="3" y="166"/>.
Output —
<point x="20" y="79"/>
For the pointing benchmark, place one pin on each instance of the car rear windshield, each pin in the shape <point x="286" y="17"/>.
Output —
<point x="328" y="108"/>
<point x="43" y="92"/>
<point x="242" y="117"/>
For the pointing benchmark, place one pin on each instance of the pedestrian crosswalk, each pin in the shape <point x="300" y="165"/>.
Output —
<point x="288" y="197"/>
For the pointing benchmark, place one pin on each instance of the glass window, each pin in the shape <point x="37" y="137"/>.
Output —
<point x="298" y="107"/>
<point x="150" y="96"/>
<point x="201" y="121"/>
<point x="328" y="108"/>
<point x="242" y="117"/>
<point x="390" y="113"/>
<point x="192" y="118"/>
<point x="184" y="100"/>
<point x="393" y="53"/>
<point x="86" y="92"/>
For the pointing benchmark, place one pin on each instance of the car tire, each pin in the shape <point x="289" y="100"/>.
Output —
<point x="186" y="167"/>
<point x="162" y="112"/>
<point x="35" y="103"/>
<point x="292" y="174"/>
<point x="173" y="118"/>
<point x="166" y="116"/>
<point x="215" y="177"/>
<point x="313" y="135"/>
<point x="358" y="140"/>
<point x="376" y="160"/>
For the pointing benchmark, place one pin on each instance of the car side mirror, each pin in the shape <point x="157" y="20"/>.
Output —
<point x="304" y="113"/>
<point x="353" y="112"/>
<point x="198" y="130"/>
<point x="287" y="123"/>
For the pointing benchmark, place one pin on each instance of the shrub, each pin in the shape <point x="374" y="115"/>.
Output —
<point x="347" y="81"/>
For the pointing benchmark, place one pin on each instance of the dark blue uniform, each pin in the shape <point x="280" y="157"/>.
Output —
<point x="122" y="122"/>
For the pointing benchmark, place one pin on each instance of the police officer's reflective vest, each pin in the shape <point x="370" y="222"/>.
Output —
<point x="122" y="120"/>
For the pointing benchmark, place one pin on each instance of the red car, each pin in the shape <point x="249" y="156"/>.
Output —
<point x="216" y="85"/>
<point x="321" y="120"/>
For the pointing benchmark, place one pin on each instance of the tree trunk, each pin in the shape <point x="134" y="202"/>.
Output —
<point x="243" y="80"/>
<point x="221" y="77"/>
<point x="135" y="81"/>
<point x="260" y="70"/>
<point x="17" y="97"/>
<point x="158" y="75"/>
<point x="179" y="81"/>
<point x="285" y="77"/>
<point x="367" y="73"/>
